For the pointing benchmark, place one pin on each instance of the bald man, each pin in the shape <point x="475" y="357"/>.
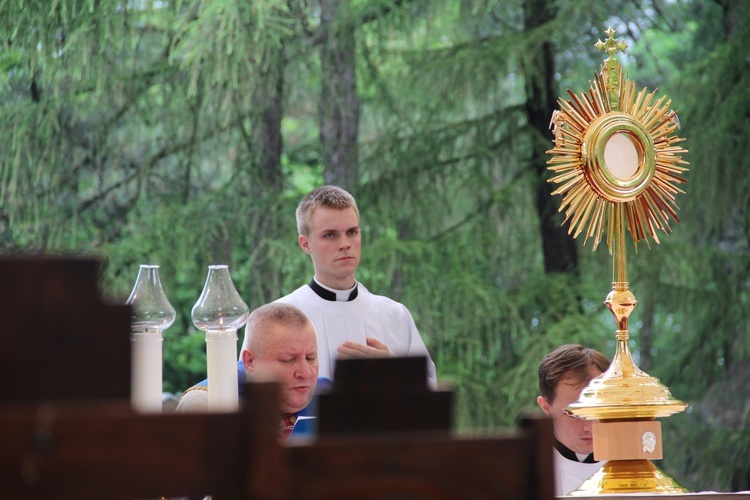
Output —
<point x="280" y="343"/>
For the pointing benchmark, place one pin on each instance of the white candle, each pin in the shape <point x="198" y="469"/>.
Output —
<point x="146" y="372"/>
<point x="151" y="314"/>
<point x="221" y="351"/>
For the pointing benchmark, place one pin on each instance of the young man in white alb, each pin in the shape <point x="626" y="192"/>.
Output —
<point x="350" y="321"/>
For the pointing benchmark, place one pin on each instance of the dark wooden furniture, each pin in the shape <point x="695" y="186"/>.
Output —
<point x="514" y="465"/>
<point x="59" y="340"/>
<point x="106" y="450"/>
<point x="382" y="434"/>
<point x="383" y="395"/>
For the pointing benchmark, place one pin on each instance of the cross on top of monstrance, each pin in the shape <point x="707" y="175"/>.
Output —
<point x="610" y="45"/>
<point x="616" y="164"/>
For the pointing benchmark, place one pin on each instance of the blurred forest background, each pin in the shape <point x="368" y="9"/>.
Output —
<point x="183" y="133"/>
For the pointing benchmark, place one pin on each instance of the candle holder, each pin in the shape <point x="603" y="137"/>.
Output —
<point x="617" y="164"/>
<point x="220" y="312"/>
<point x="151" y="314"/>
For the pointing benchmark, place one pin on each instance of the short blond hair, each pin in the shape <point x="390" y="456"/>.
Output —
<point x="324" y="196"/>
<point x="263" y="318"/>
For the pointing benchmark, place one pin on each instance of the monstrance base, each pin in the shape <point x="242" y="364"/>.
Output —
<point x="628" y="476"/>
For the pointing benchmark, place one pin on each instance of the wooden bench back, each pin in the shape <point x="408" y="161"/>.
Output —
<point x="513" y="465"/>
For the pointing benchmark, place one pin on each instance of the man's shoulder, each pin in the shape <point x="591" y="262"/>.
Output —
<point x="324" y="384"/>
<point x="291" y="298"/>
<point x="194" y="399"/>
<point x="381" y="301"/>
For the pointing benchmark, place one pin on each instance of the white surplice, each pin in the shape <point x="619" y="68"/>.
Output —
<point x="569" y="474"/>
<point x="367" y="315"/>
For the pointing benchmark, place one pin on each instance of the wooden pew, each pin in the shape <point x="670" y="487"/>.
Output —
<point x="383" y="434"/>
<point x="514" y="465"/>
<point x="60" y="341"/>
<point x="383" y="395"/>
<point x="106" y="450"/>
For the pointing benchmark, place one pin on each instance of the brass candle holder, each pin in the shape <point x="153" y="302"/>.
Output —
<point x="617" y="164"/>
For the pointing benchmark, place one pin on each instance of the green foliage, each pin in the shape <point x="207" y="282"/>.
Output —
<point x="132" y="132"/>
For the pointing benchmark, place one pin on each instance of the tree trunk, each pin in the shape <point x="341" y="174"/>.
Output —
<point x="339" y="103"/>
<point x="266" y="142"/>
<point x="560" y="253"/>
<point x="260" y="170"/>
<point x="267" y="175"/>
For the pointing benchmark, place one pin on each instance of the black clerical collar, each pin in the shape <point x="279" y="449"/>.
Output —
<point x="571" y="455"/>
<point x="330" y="295"/>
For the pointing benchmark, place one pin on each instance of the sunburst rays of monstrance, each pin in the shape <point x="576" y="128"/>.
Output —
<point x="617" y="165"/>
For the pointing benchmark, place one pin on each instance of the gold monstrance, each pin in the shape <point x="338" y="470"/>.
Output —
<point x="617" y="166"/>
